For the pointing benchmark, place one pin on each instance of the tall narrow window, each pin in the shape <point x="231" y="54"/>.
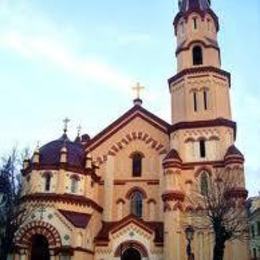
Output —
<point x="137" y="204"/>
<point x="47" y="182"/>
<point x="205" y="99"/>
<point x="74" y="185"/>
<point x="195" y="103"/>
<point x="197" y="55"/>
<point x="137" y="164"/>
<point x="195" y="23"/>
<point x="202" y="148"/>
<point x="204" y="184"/>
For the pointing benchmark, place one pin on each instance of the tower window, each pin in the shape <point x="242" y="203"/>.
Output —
<point x="195" y="23"/>
<point x="205" y="99"/>
<point x="197" y="55"/>
<point x="137" y="164"/>
<point x="47" y="186"/>
<point x="195" y="103"/>
<point x="204" y="184"/>
<point x="202" y="148"/>
<point x="137" y="204"/>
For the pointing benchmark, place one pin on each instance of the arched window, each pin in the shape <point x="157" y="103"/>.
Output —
<point x="137" y="204"/>
<point x="195" y="101"/>
<point x="137" y="164"/>
<point x="195" y="23"/>
<point x="74" y="184"/>
<point x="47" y="182"/>
<point x="197" y="55"/>
<point x="205" y="99"/>
<point x="204" y="184"/>
<point x="202" y="144"/>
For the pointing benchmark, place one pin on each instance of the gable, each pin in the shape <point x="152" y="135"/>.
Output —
<point x="137" y="124"/>
<point x="130" y="224"/>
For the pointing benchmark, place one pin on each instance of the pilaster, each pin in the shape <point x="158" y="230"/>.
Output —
<point x="108" y="188"/>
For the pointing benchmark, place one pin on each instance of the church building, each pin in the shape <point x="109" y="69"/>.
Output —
<point x="123" y="194"/>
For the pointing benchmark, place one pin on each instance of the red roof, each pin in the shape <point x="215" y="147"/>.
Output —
<point x="233" y="150"/>
<point x="79" y="220"/>
<point x="173" y="154"/>
<point x="151" y="227"/>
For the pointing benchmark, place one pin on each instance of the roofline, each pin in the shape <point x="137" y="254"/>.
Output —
<point x="136" y="111"/>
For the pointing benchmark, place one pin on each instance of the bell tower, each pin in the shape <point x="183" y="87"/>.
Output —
<point x="200" y="89"/>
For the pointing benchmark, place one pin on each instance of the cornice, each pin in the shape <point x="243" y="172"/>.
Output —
<point x="65" y="198"/>
<point x="204" y="123"/>
<point x="199" y="69"/>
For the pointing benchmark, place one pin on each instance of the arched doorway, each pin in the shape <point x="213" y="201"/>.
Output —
<point x="40" y="248"/>
<point x="131" y="254"/>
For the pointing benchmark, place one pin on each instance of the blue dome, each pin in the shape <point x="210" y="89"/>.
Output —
<point x="50" y="153"/>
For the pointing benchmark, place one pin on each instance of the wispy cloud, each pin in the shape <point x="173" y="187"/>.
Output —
<point x="20" y="35"/>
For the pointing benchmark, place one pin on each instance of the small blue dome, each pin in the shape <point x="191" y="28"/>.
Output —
<point x="50" y="153"/>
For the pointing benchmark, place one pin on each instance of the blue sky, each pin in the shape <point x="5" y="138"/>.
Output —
<point x="80" y="58"/>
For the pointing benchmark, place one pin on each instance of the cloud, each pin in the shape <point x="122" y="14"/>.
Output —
<point x="42" y="41"/>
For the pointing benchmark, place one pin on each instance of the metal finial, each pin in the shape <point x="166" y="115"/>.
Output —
<point x="79" y="128"/>
<point x="66" y="121"/>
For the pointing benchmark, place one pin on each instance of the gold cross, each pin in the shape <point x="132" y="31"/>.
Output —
<point x="138" y="88"/>
<point x="66" y="121"/>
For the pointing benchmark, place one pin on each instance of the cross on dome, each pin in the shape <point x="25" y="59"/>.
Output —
<point x="79" y="128"/>
<point x="66" y="122"/>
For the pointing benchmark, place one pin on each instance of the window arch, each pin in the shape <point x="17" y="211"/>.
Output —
<point x="197" y="55"/>
<point x="204" y="183"/>
<point x="137" y="204"/>
<point x="137" y="159"/>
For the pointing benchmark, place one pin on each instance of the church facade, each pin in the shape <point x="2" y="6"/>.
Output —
<point x="123" y="194"/>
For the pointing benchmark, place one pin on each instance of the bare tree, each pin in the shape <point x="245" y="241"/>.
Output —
<point x="221" y="208"/>
<point x="10" y="215"/>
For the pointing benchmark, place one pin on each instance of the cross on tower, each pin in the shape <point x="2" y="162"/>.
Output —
<point x="66" y="121"/>
<point x="138" y="88"/>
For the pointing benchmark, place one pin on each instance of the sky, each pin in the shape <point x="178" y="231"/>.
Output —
<point x="79" y="59"/>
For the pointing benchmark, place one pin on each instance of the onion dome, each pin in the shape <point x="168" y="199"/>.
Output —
<point x="233" y="155"/>
<point x="187" y="5"/>
<point x="202" y="7"/>
<point x="172" y="159"/>
<point x="51" y="152"/>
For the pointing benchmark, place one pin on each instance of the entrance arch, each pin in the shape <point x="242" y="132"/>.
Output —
<point x="131" y="254"/>
<point x="131" y="250"/>
<point x="39" y="248"/>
